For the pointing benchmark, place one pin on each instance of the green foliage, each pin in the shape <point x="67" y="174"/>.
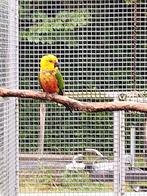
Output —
<point x="62" y="27"/>
<point x="70" y="179"/>
<point x="64" y="132"/>
<point x="133" y="1"/>
<point x="130" y="1"/>
<point x="80" y="181"/>
<point x="40" y="180"/>
<point x="135" y="120"/>
<point x="68" y="133"/>
<point x="28" y="131"/>
<point x="44" y="180"/>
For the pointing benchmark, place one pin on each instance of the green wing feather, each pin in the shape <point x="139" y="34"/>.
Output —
<point x="60" y="82"/>
<point x="61" y="87"/>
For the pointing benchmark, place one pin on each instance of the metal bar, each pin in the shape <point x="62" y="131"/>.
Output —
<point x="12" y="78"/>
<point x="119" y="154"/>
<point x="145" y="138"/>
<point x="134" y="45"/>
<point x="45" y="156"/>
<point x="133" y="134"/>
<point x="17" y="87"/>
<point x="42" y="128"/>
<point x="122" y="153"/>
<point x="137" y="96"/>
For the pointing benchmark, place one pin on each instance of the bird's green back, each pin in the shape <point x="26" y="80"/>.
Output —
<point x="60" y="82"/>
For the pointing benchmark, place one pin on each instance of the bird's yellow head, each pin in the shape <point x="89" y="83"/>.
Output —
<point x="48" y="62"/>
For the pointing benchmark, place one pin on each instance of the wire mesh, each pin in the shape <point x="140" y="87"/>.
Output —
<point x="94" y="42"/>
<point x="8" y="78"/>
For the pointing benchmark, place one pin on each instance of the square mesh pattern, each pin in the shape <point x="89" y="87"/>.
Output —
<point x="8" y="78"/>
<point x="94" y="42"/>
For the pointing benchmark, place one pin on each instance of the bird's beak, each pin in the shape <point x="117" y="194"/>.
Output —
<point x="56" y="64"/>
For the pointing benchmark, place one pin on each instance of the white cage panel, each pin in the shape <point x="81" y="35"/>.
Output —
<point x="8" y="78"/>
<point x="94" y="41"/>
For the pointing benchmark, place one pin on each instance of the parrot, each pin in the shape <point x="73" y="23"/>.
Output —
<point x="50" y="78"/>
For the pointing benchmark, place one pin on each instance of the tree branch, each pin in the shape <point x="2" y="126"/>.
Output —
<point x="74" y="104"/>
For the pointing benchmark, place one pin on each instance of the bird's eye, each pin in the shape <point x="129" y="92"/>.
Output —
<point x="50" y="61"/>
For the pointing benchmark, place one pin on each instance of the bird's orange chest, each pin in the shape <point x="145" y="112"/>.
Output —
<point x="49" y="83"/>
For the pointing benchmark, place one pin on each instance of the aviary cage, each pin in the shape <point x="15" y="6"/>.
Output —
<point x="101" y="46"/>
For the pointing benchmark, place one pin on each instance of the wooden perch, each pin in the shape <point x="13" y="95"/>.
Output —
<point x="74" y="104"/>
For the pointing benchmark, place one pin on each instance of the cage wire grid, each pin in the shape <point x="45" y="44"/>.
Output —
<point x="8" y="78"/>
<point x="94" y="42"/>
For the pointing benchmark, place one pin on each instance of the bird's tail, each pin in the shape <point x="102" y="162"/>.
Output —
<point x="69" y="108"/>
<point x="61" y="92"/>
